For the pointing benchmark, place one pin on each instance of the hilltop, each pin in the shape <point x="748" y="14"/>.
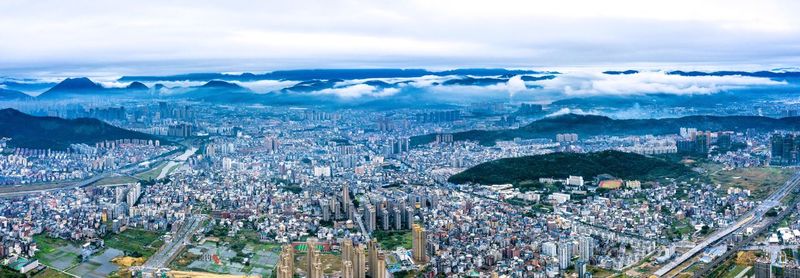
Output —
<point x="560" y="165"/>
<point x="27" y="131"/>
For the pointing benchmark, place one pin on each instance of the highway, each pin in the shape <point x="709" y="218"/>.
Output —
<point x="750" y="218"/>
<point x="166" y="253"/>
<point x="125" y="170"/>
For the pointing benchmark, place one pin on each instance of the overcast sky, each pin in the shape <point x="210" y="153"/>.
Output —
<point x="158" y="37"/>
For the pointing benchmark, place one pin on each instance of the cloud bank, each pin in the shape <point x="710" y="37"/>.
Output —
<point x="127" y="37"/>
<point x="649" y="82"/>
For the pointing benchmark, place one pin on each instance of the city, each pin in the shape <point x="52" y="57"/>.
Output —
<point x="314" y="144"/>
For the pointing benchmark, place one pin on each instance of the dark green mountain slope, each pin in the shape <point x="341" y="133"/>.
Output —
<point x="28" y="131"/>
<point x="560" y="165"/>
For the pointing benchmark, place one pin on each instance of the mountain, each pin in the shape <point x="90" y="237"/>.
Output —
<point x="6" y="94"/>
<point x="615" y="72"/>
<point x="218" y="84"/>
<point x="220" y="92"/>
<point x="312" y="85"/>
<point x="472" y="81"/>
<point x="593" y="125"/>
<point x="72" y="86"/>
<point x="767" y="74"/>
<point x="561" y="165"/>
<point x="26" y="85"/>
<point x="27" y="131"/>
<point x="136" y="85"/>
<point x="347" y="74"/>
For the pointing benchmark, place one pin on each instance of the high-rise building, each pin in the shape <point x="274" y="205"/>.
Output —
<point x="418" y="243"/>
<point x="791" y="270"/>
<point x="564" y="254"/>
<point x="347" y="250"/>
<point x="784" y="149"/>
<point x="763" y="269"/>
<point x="347" y="269"/>
<point x="380" y="265"/>
<point x="311" y="256"/>
<point x="580" y="268"/>
<point x="316" y="269"/>
<point x="359" y="262"/>
<point x="409" y="217"/>
<point x="345" y="198"/>
<point x="385" y="219"/>
<point x="398" y="219"/>
<point x="285" y="267"/>
<point x="372" y="254"/>
<point x="586" y="248"/>
<point x="370" y="218"/>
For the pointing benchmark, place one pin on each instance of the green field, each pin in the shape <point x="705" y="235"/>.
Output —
<point x="391" y="240"/>
<point x="51" y="273"/>
<point x="55" y="252"/>
<point x="135" y="243"/>
<point x="761" y="181"/>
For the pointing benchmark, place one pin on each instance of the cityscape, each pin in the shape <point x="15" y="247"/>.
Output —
<point x="420" y="155"/>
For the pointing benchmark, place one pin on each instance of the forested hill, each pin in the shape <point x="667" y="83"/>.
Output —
<point x="561" y="165"/>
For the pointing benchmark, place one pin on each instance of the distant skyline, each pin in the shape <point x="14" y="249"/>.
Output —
<point x="95" y="38"/>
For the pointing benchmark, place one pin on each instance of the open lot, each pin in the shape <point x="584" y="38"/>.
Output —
<point x="239" y="254"/>
<point x="759" y="180"/>
<point x="392" y="240"/>
<point x="135" y="243"/>
<point x="57" y="253"/>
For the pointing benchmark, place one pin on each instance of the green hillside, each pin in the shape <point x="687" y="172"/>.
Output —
<point x="560" y="165"/>
<point x="28" y="131"/>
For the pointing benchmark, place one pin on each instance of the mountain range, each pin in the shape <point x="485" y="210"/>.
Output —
<point x="593" y="125"/>
<point x="27" y="131"/>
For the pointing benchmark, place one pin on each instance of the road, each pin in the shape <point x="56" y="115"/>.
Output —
<point x="166" y="253"/>
<point x="125" y="170"/>
<point x="750" y="218"/>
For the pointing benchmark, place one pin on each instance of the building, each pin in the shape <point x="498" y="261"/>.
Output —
<point x="380" y="265"/>
<point x="359" y="262"/>
<point x="346" y="198"/>
<point x="575" y="180"/>
<point x="566" y="137"/>
<point x="564" y="254"/>
<point x="347" y="269"/>
<point x="784" y="149"/>
<point x="763" y="269"/>
<point x="418" y="242"/>
<point x="285" y="268"/>
<point x="312" y="257"/>
<point x="372" y="254"/>
<point x="370" y="218"/>
<point x="580" y="268"/>
<point x="586" y="248"/>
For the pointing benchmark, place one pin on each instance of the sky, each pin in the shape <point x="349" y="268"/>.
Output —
<point x="66" y="38"/>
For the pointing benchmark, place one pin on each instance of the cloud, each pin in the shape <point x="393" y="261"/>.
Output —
<point x="357" y="91"/>
<point x="266" y="86"/>
<point x="149" y="36"/>
<point x="649" y="82"/>
<point x="515" y="85"/>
